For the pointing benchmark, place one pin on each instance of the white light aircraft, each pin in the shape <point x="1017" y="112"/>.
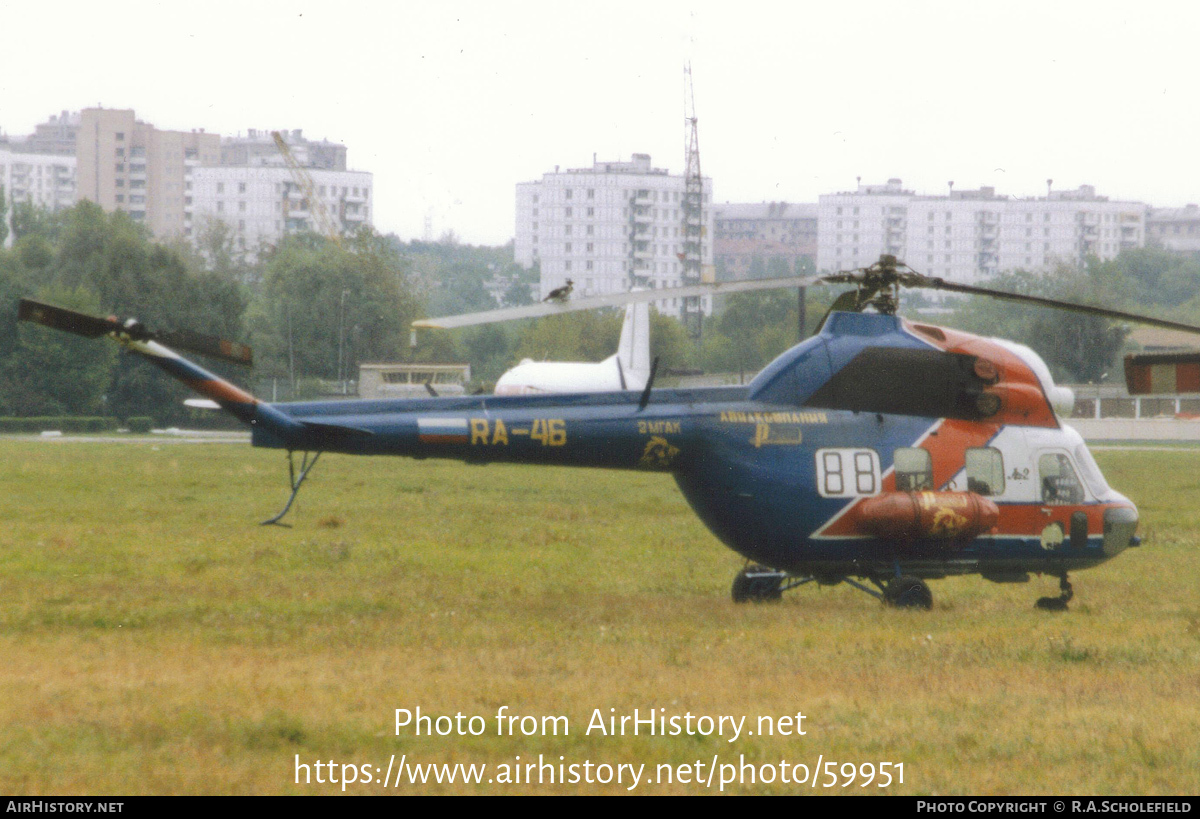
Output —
<point x="628" y="369"/>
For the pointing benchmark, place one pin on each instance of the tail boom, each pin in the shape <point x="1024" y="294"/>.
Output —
<point x="263" y="418"/>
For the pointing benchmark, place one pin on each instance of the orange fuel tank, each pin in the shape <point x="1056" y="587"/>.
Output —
<point x="945" y="516"/>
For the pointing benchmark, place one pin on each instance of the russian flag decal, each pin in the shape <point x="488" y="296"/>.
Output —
<point x="442" y="430"/>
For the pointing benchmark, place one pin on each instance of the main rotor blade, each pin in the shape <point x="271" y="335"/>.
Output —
<point x="1087" y="309"/>
<point x="70" y="321"/>
<point x="612" y="300"/>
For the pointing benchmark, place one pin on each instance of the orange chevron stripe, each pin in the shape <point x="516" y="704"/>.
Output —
<point x="221" y="391"/>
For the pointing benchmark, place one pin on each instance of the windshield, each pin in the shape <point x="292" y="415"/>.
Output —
<point x="1091" y="472"/>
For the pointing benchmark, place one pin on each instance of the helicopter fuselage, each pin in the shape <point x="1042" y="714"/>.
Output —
<point x="874" y="448"/>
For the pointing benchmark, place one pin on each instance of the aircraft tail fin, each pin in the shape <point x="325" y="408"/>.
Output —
<point x="633" y="352"/>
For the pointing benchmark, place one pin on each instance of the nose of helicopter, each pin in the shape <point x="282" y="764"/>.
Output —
<point x="1120" y="524"/>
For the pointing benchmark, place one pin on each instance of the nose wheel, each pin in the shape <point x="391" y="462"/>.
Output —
<point x="1058" y="603"/>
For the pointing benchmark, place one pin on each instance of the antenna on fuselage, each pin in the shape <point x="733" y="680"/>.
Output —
<point x="645" y="399"/>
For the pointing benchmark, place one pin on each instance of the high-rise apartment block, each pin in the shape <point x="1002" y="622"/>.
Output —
<point x="54" y="136"/>
<point x="970" y="235"/>
<point x="39" y="169"/>
<point x="608" y="228"/>
<point x="42" y="180"/>
<point x="260" y="204"/>
<point x="126" y="165"/>
<point x="773" y="235"/>
<point x="258" y="147"/>
<point x="177" y="182"/>
<point x="1175" y="229"/>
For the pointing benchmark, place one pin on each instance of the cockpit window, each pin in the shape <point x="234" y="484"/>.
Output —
<point x="914" y="469"/>
<point x="1091" y="472"/>
<point x="985" y="471"/>
<point x="1060" y="484"/>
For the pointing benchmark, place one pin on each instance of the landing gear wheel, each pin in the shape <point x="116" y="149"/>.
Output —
<point x="1058" y="603"/>
<point x="757" y="584"/>
<point x="908" y="593"/>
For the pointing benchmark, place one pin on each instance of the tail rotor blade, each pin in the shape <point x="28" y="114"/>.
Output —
<point x="82" y="324"/>
<point x="70" y="321"/>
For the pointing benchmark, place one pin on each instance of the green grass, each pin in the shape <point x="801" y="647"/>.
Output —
<point x="1101" y="446"/>
<point x="153" y="639"/>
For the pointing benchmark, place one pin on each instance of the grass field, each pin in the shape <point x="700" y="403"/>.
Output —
<point x="153" y="639"/>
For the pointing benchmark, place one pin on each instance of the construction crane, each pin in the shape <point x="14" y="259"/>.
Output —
<point x="303" y="180"/>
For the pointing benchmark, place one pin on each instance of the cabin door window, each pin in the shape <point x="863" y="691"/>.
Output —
<point x="985" y="471"/>
<point x="914" y="469"/>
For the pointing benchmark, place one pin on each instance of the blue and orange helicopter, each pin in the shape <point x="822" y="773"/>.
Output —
<point x="879" y="451"/>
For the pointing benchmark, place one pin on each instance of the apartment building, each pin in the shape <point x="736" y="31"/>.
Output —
<point x="123" y="164"/>
<point x="969" y="235"/>
<point x="177" y="182"/>
<point x="746" y="235"/>
<point x="1175" y="229"/>
<point x="42" y="180"/>
<point x="258" y="147"/>
<point x="610" y="227"/>
<point x="54" y="136"/>
<point x="261" y="204"/>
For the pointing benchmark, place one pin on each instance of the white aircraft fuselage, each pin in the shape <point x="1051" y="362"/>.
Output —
<point x="627" y="369"/>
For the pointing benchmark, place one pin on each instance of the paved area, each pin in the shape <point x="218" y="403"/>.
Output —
<point x="170" y="436"/>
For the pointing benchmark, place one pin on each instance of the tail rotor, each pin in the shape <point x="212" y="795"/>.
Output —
<point x="130" y="330"/>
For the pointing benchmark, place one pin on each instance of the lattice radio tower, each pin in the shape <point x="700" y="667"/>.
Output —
<point x="692" y="313"/>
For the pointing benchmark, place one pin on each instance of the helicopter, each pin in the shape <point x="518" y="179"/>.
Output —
<point x="879" y="452"/>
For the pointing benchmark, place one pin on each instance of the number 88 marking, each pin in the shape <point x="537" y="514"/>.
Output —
<point x="847" y="473"/>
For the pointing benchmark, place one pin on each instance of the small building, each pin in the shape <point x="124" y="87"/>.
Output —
<point x="408" y="380"/>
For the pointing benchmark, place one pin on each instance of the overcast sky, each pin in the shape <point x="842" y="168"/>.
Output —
<point x="450" y="105"/>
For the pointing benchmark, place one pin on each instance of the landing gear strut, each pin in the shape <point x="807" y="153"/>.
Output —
<point x="758" y="584"/>
<point x="1058" y="603"/>
<point x="306" y="465"/>
<point x="902" y="591"/>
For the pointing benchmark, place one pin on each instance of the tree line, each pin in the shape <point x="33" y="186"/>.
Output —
<point x="313" y="310"/>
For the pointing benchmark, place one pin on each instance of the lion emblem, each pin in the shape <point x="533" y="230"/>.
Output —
<point x="658" y="454"/>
